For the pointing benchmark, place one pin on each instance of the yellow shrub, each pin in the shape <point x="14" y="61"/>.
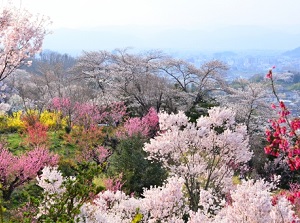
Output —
<point x="50" y="119"/>
<point x="53" y="120"/>
<point x="64" y="122"/>
<point x="14" y="122"/>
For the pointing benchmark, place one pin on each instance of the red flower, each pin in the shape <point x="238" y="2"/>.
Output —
<point x="269" y="75"/>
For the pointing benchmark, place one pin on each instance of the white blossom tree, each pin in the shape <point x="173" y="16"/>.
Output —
<point x="95" y="67"/>
<point x="253" y="107"/>
<point x="204" y="154"/>
<point x="252" y="202"/>
<point x="137" y="80"/>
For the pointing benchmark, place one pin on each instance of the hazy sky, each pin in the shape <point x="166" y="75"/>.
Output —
<point x="192" y="14"/>
<point x="169" y="24"/>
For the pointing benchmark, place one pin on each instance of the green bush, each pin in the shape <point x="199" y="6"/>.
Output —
<point x="138" y="172"/>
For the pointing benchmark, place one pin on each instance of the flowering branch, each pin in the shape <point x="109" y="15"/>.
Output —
<point x="282" y="136"/>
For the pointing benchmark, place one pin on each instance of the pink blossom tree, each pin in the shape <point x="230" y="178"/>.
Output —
<point x="82" y="114"/>
<point x="66" y="107"/>
<point x="21" y="36"/>
<point x="113" y="113"/>
<point x="146" y="126"/>
<point x="204" y="154"/>
<point x="88" y="114"/>
<point x="18" y="170"/>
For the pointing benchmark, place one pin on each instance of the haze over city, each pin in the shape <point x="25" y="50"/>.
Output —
<point x="197" y="25"/>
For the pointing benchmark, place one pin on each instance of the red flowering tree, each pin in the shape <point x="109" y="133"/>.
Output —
<point x="283" y="134"/>
<point x="36" y="135"/>
<point x="292" y="195"/>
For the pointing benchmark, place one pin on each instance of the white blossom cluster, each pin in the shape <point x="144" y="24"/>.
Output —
<point x="251" y="201"/>
<point x="205" y="153"/>
<point x="160" y="204"/>
<point x="51" y="181"/>
<point x="4" y="107"/>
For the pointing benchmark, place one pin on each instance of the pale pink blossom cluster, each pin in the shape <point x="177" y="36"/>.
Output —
<point x="166" y="203"/>
<point x="210" y="203"/>
<point x="4" y="107"/>
<point x="51" y="181"/>
<point x="251" y="201"/>
<point x="21" y="36"/>
<point x="160" y="204"/>
<point x="175" y="120"/>
<point x="205" y="153"/>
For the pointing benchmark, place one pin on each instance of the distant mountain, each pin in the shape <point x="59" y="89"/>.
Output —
<point x="230" y="38"/>
<point x="293" y="53"/>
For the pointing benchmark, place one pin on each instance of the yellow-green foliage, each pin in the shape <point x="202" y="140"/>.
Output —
<point x="137" y="218"/>
<point x="31" y="112"/>
<point x="3" y="122"/>
<point x="98" y="181"/>
<point x="236" y="180"/>
<point x="51" y="119"/>
<point x="14" y="122"/>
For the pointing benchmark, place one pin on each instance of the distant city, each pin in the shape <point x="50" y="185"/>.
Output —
<point x="245" y="64"/>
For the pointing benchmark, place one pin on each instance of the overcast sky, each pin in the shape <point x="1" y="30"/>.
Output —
<point x="193" y="14"/>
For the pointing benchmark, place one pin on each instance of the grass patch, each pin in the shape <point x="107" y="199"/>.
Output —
<point x="57" y="144"/>
<point x="14" y="142"/>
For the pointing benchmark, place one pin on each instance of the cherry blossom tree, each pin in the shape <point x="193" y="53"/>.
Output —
<point x="137" y="80"/>
<point x="250" y="101"/>
<point x="21" y="36"/>
<point x="252" y="107"/>
<point x="252" y="202"/>
<point x="204" y="154"/>
<point x="95" y="67"/>
<point x="182" y="73"/>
